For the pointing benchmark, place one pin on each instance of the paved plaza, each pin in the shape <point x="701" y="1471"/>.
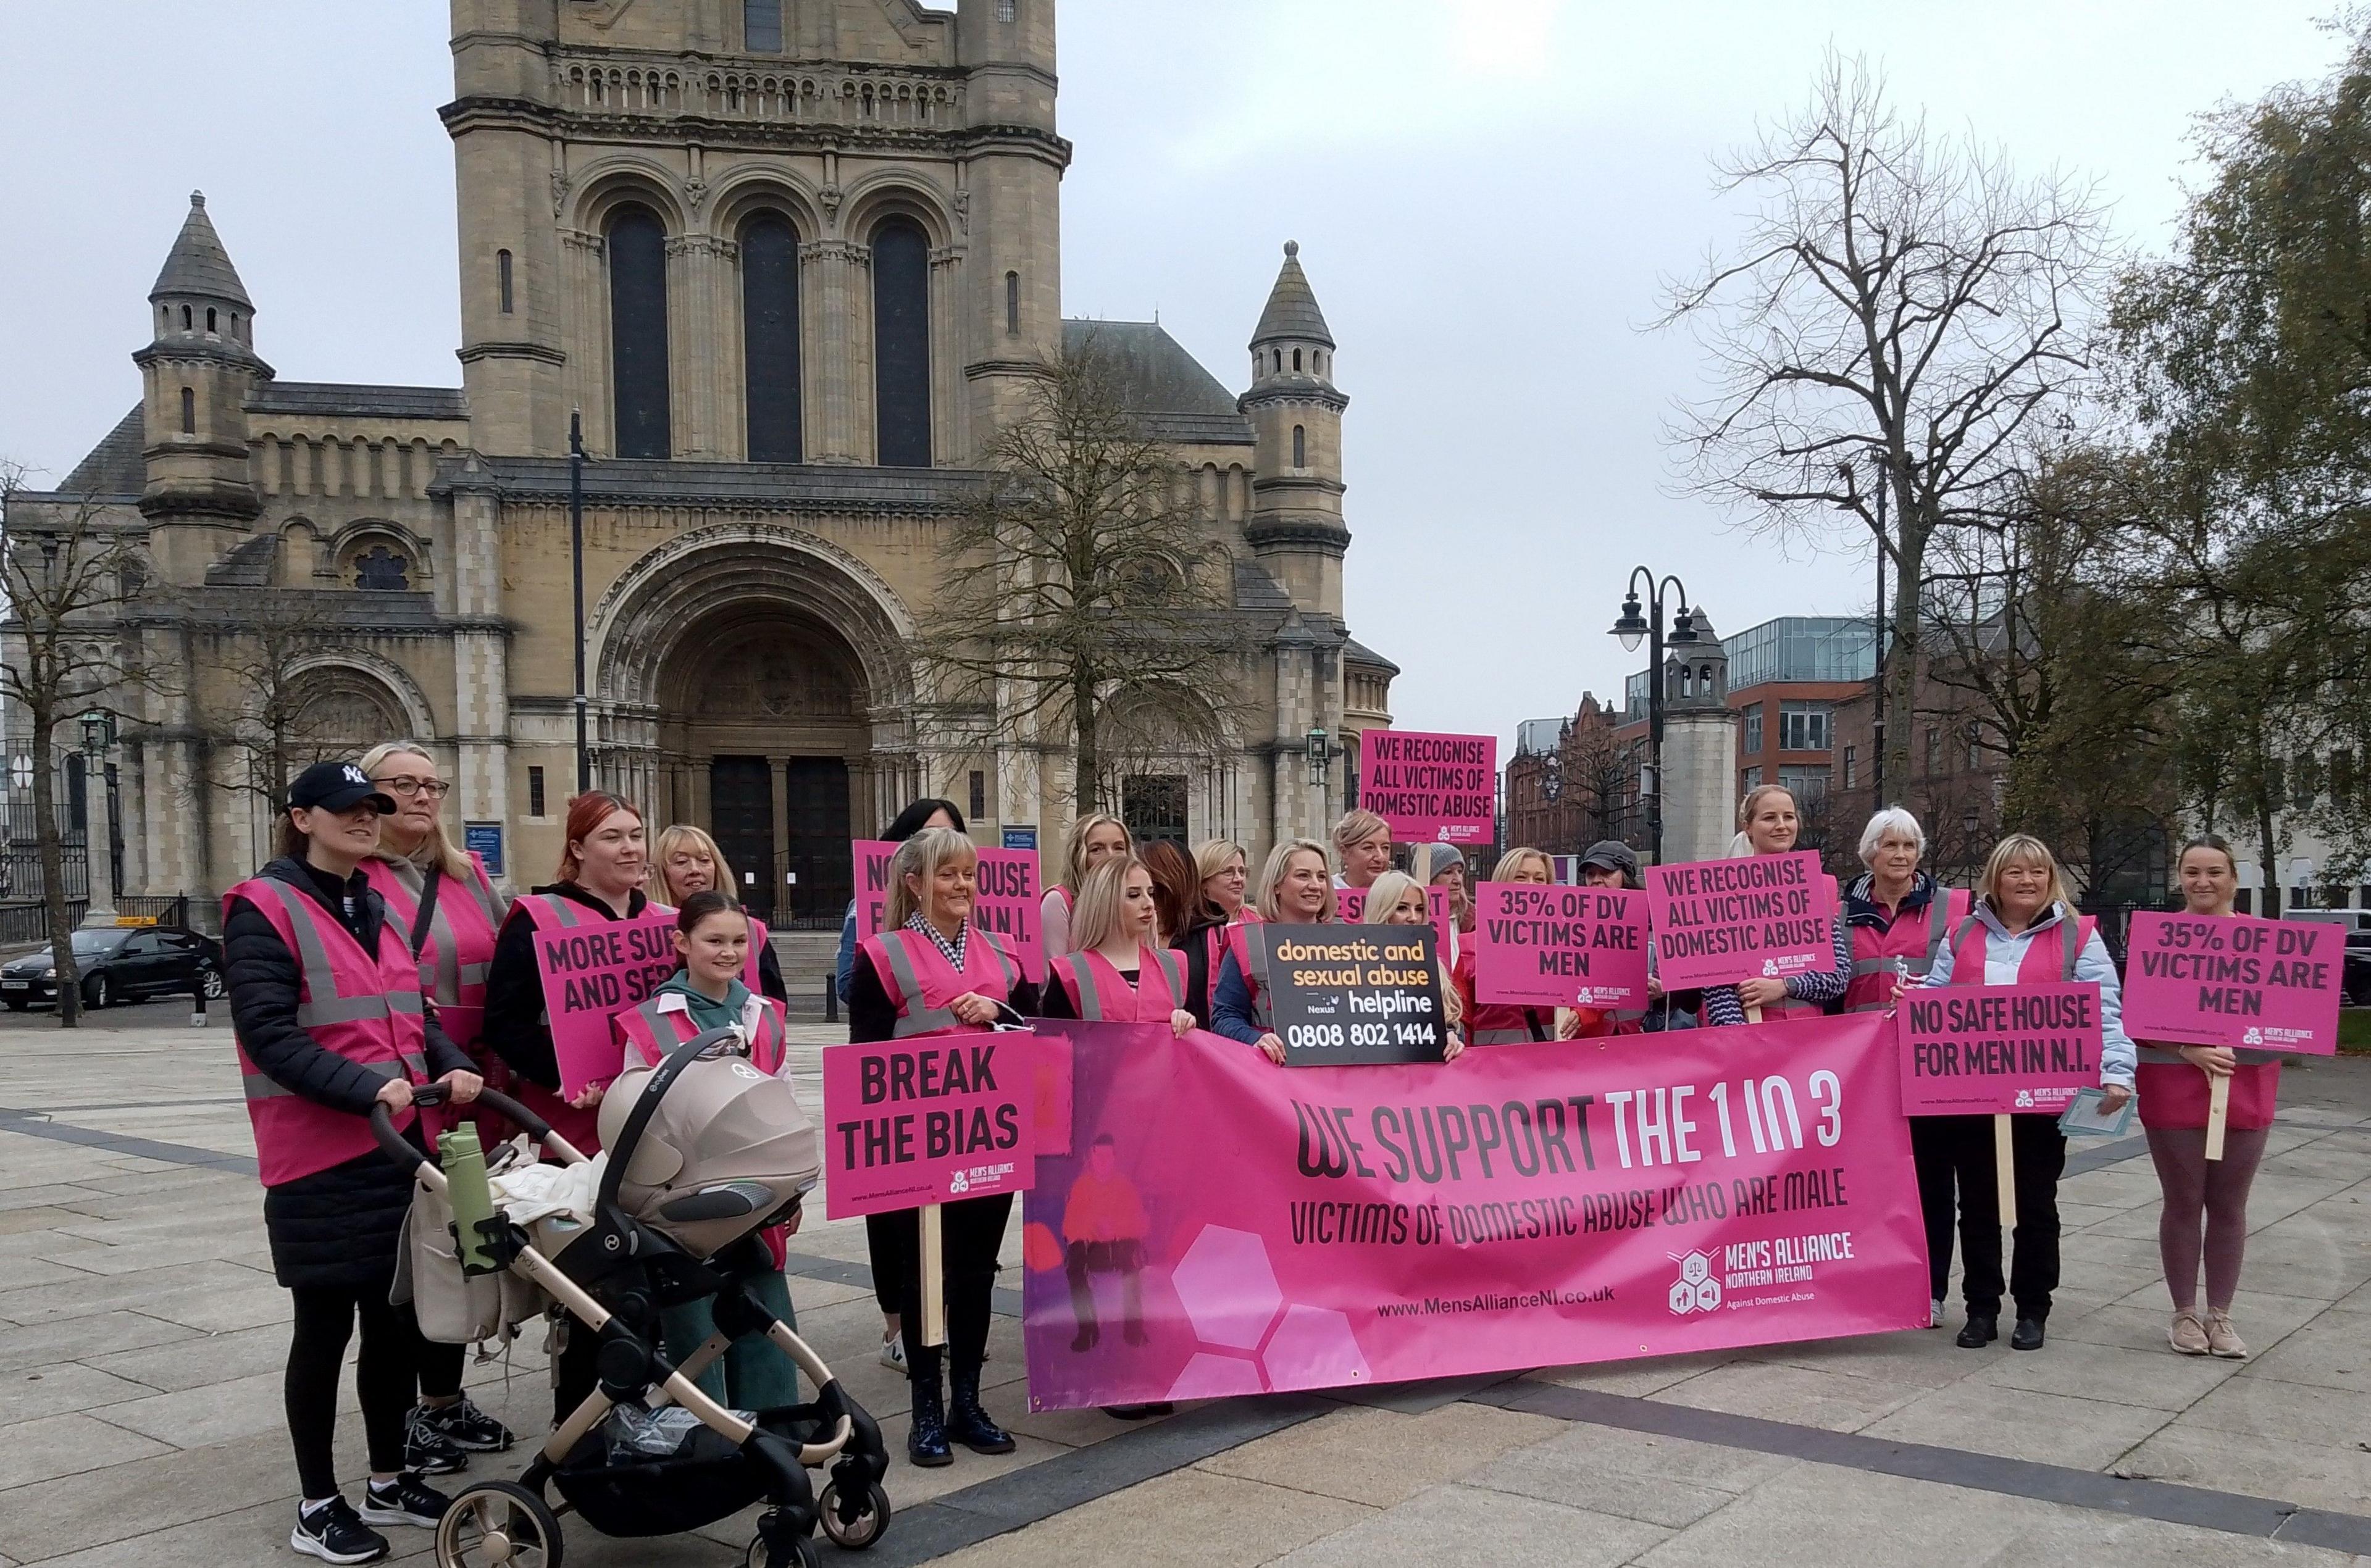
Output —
<point x="142" y="1338"/>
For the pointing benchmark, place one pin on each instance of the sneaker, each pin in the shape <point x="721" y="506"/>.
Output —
<point x="1935" y="1313"/>
<point x="331" y="1533"/>
<point x="2222" y="1339"/>
<point x="893" y="1353"/>
<point x="427" y="1451"/>
<point x="2187" y="1335"/>
<point x="406" y="1500"/>
<point x="464" y="1425"/>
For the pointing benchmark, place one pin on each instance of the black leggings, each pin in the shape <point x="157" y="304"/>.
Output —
<point x="393" y="1359"/>
<point x="971" y="1233"/>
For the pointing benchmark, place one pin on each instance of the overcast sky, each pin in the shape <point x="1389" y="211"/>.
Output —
<point x="1487" y="194"/>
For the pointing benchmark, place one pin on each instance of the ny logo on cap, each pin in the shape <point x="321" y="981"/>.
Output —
<point x="354" y="775"/>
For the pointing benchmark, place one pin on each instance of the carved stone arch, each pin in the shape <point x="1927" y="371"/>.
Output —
<point x="357" y="537"/>
<point x="897" y="192"/>
<point x="744" y="193"/>
<point x="304" y="549"/>
<point x="623" y="178"/>
<point x="354" y="698"/>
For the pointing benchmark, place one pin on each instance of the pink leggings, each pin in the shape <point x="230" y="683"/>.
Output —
<point x="2205" y="1209"/>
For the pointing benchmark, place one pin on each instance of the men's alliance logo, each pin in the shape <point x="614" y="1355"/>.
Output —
<point x="958" y="1184"/>
<point x="2254" y="1037"/>
<point x="2025" y="1100"/>
<point x="1695" y="1290"/>
<point x="1770" y="969"/>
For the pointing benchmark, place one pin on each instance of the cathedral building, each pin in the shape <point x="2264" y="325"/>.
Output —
<point x="794" y="263"/>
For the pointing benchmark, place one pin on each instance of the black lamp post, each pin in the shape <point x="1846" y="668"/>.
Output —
<point x="576" y="564"/>
<point x="1321" y="754"/>
<point x="98" y="794"/>
<point x="1632" y="626"/>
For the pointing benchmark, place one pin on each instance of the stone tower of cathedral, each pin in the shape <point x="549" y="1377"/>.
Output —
<point x="793" y="263"/>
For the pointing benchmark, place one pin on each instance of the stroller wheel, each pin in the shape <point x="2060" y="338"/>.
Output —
<point x="803" y="1554"/>
<point x="860" y="1532"/>
<point x="498" y="1524"/>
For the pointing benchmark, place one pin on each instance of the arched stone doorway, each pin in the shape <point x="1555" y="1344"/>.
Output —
<point x="752" y="680"/>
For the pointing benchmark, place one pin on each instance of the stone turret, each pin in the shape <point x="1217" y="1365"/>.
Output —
<point x="196" y="374"/>
<point x="1699" y="782"/>
<point x="1296" y="413"/>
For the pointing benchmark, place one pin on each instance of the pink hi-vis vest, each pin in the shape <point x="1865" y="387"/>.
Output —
<point x="1251" y="963"/>
<point x="1913" y="943"/>
<point x="459" y="949"/>
<point x="1792" y="1007"/>
<point x="1101" y="995"/>
<point x="2049" y="958"/>
<point x="922" y="984"/>
<point x="650" y="1031"/>
<point x="548" y="911"/>
<point x="361" y="1006"/>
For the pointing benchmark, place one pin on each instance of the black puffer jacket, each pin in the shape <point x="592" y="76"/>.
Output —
<point x="335" y="1227"/>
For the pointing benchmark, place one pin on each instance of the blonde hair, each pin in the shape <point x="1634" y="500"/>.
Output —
<point x="680" y="835"/>
<point x="1074" y="846"/>
<point x="441" y="851"/>
<point x="1385" y="894"/>
<point x="1210" y="856"/>
<point x="1357" y="827"/>
<point x="1279" y="860"/>
<point x="1741" y="847"/>
<point x="2021" y="846"/>
<point x="920" y="857"/>
<point x="1510" y="864"/>
<point x="1094" y="918"/>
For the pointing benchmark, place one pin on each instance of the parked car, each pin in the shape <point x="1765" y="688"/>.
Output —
<point x="121" y="964"/>
<point x="2358" y="969"/>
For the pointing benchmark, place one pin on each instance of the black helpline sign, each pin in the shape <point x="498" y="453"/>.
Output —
<point x="1345" y="994"/>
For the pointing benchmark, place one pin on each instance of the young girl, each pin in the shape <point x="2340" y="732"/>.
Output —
<point x="1117" y="972"/>
<point x="1396" y="898"/>
<point x="711" y="944"/>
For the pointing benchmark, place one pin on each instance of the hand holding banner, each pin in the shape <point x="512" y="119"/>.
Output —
<point x="1561" y="946"/>
<point x="1760" y="916"/>
<point x="1431" y="789"/>
<point x="2235" y="980"/>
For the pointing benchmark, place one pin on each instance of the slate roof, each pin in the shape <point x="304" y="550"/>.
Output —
<point x="334" y="398"/>
<point x="1164" y="387"/>
<point x="248" y="565"/>
<point x="198" y="264"/>
<point x="1292" y="306"/>
<point x="113" y="468"/>
<point x="1357" y="652"/>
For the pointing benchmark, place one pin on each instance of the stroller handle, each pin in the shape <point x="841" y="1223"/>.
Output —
<point x="404" y="1152"/>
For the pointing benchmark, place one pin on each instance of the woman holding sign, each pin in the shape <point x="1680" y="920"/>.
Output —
<point x="929" y="812"/>
<point x="1117" y="972"/>
<point x="1500" y="1023"/>
<point x="1296" y="888"/>
<point x="1224" y="877"/>
<point x="2023" y="931"/>
<point x="1395" y="898"/>
<point x="926" y="970"/>
<point x="1768" y="823"/>
<point x="2205" y="1215"/>
<point x="1091" y="839"/>
<point x="1362" y="843"/>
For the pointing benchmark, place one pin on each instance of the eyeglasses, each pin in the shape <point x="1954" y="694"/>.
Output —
<point x="434" y="788"/>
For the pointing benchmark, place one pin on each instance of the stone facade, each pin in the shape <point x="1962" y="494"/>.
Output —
<point x="397" y="560"/>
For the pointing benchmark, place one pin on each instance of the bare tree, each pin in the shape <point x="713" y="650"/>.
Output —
<point x="67" y="575"/>
<point x="264" y="702"/>
<point x="1082" y="572"/>
<point x="1598" y="774"/>
<point x="1900" y="308"/>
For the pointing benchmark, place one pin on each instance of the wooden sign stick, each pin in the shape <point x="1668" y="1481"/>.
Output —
<point x="934" y="1278"/>
<point x="2219" y="1113"/>
<point x="2005" y="1166"/>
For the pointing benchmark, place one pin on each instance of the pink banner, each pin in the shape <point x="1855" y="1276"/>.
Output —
<point x="927" y="1119"/>
<point x="1995" y="1049"/>
<point x="1559" y="946"/>
<point x="1225" y="1227"/>
<point x="590" y="973"/>
<point x="2236" y="980"/>
<point x="1006" y="900"/>
<point x="1766" y="917"/>
<point x="1431" y="789"/>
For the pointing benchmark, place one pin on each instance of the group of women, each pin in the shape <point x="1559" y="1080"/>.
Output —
<point x="372" y="958"/>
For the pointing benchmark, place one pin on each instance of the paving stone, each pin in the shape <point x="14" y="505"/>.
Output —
<point x="1804" y="1515"/>
<point x="1456" y="1523"/>
<point x="215" y="1413"/>
<point x="2331" y="1352"/>
<point x="26" y="1197"/>
<point x="1189" y="1518"/>
<point x="56" y="1387"/>
<point x="220" y="1311"/>
<point x="70" y="1339"/>
<point x="33" y="1218"/>
<point x="2315" y="1475"/>
<point x="67" y="1444"/>
<point x="1833" y="1399"/>
<point x="198" y="1359"/>
<point x="2023" y="1423"/>
<point x="2264" y="1407"/>
<point x="1577" y="1477"/>
<point x="1920" y="1357"/>
<point x="90" y="1294"/>
<point x="1645" y="1375"/>
<point x="2153" y="1379"/>
<point x="53" y="1517"/>
<point x="1380" y="1457"/>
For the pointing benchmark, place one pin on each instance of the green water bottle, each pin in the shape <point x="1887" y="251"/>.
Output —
<point x="465" y="1190"/>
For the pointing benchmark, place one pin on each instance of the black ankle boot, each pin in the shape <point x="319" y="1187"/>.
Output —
<point x="925" y="1444"/>
<point x="969" y="1425"/>
<point x="1982" y="1330"/>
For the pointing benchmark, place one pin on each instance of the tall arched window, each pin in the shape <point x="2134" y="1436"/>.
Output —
<point x="189" y="411"/>
<point x="901" y="343"/>
<point x="636" y="244"/>
<point x="502" y="278"/>
<point x="770" y="337"/>
<point x="1300" y="446"/>
<point x="1012" y="304"/>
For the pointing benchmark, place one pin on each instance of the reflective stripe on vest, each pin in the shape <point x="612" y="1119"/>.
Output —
<point x="1086" y="988"/>
<point x="322" y="1004"/>
<point x="441" y="974"/>
<point x="2074" y="935"/>
<point x="1938" y="931"/>
<point x="643" y="1024"/>
<point x="914" y="1016"/>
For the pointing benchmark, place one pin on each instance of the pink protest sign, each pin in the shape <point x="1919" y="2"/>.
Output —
<point x="1350" y="909"/>
<point x="1993" y="1050"/>
<point x="1431" y="789"/>
<point x="1767" y="916"/>
<point x="1559" y="946"/>
<point x="2236" y="980"/>
<point x="1005" y="900"/>
<point x="1571" y="1201"/>
<point x="590" y="973"/>
<point x="926" y="1120"/>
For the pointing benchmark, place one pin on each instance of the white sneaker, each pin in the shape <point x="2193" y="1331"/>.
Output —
<point x="1935" y="1317"/>
<point x="333" y="1533"/>
<point x="893" y="1353"/>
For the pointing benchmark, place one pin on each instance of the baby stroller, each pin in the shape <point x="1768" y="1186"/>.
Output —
<point x="703" y="1152"/>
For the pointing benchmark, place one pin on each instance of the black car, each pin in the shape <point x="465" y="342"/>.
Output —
<point x="2358" y="969"/>
<point x="119" y="964"/>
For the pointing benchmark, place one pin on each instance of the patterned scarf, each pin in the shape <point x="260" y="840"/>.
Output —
<point x="953" y="949"/>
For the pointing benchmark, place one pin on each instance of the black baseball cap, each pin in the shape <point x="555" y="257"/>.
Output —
<point x="337" y="786"/>
<point x="1611" y="855"/>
